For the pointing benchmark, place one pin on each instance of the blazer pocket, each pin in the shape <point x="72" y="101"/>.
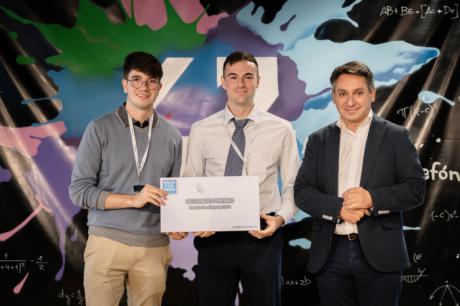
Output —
<point x="317" y="225"/>
<point x="391" y="222"/>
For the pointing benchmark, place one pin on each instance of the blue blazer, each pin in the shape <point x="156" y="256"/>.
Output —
<point x="391" y="173"/>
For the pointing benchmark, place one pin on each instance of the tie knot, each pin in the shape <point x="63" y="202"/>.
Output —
<point x="240" y="124"/>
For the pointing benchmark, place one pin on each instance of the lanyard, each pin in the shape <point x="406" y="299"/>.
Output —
<point x="140" y="166"/>
<point x="237" y="150"/>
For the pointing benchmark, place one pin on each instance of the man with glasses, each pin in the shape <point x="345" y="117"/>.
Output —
<point x="120" y="160"/>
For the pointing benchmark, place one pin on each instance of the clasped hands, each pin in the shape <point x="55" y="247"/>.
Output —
<point x="356" y="204"/>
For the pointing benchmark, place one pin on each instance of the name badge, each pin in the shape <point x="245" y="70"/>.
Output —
<point x="137" y="188"/>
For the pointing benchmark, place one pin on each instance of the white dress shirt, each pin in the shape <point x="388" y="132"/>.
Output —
<point x="351" y="156"/>
<point x="270" y="153"/>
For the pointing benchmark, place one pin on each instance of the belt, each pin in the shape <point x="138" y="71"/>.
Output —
<point x="350" y="237"/>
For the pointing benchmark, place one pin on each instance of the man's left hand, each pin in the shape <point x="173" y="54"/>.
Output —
<point x="273" y="224"/>
<point x="357" y="198"/>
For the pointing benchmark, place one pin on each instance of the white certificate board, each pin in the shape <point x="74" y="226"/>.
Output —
<point x="194" y="204"/>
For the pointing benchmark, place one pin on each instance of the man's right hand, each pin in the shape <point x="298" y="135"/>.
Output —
<point x="352" y="215"/>
<point x="203" y="234"/>
<point x="149" y="194"/>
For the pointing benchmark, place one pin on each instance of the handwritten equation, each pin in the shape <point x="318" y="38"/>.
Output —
<point x="72" y="298"/>
<point x="410" y="111"/>
<point x="424" y="11"/>
<point x="303" y="282"/>
<point x="413" y="278"/>
<point x="446" y="292"/>
<point x="444" y="215"/>
<point x="20" y="265"/>
<point x="417" y="257"/>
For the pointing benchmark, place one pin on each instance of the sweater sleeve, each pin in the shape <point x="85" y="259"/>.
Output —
<point x="84" y="190"/>
<point x="175" y="171"/>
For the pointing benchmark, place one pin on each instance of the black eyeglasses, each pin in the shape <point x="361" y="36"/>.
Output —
<point x="138" y="83"/>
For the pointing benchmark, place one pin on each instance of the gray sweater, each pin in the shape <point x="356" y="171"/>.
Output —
<point x="105" y="164"/>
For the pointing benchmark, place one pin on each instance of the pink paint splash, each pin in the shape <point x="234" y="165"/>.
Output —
<point x="153" y="13"/>
<point x="207" y="23"/>
<point x="188" y="11"/>
<point x="26" y="140"/>
<point x="148" y="12"/>
<point x="7" y="235"/>
<point x="48" y="188"/>
<point x="19" y="286"/>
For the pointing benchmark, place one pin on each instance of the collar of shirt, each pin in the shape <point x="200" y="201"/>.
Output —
<point x="366" y="121"/>
<point x="123" y="115"/>
<point x="254" y="115"/>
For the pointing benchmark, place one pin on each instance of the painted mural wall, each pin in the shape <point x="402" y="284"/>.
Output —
<point x="60" y="67"/>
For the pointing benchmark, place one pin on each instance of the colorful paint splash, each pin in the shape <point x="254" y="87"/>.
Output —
<point x="154" y="14"/>
<point x="97" y="46"/>
<point x="92" y="50"/>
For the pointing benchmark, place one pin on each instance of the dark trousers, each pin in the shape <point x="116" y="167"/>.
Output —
<point x="348" y="280"/>
<point x="225" y="259"/>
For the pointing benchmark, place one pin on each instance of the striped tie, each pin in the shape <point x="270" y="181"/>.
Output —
<point x="234" y="165"/>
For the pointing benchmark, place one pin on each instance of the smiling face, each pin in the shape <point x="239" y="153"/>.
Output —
<point x="240" y="81"/>
<point x="141" y="98"/>
<point x="353" y="98"/>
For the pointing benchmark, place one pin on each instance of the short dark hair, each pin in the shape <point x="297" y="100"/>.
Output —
<point x="144" y="62"/>
<point x="354" y="68"/>
<point x="239" y="56"/>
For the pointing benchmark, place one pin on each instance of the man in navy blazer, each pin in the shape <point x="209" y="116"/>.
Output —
<point x="357" y="177"/>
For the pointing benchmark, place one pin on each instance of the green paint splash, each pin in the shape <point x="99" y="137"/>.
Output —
<point x="25" y="60"/>
<point x="13" y="35"/>
<point x="96" y="46"/>
<point x="20" y="59"/>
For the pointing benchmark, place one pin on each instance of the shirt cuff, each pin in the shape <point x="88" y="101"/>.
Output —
<point x="100" y="204"/>
<point x="283" y="215"/>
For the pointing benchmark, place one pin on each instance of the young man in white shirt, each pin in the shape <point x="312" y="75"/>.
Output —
<point x="264" y="145"/>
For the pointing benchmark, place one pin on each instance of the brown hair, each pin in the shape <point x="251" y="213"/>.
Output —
<point x="238" y="56"/>
<point x="354" y="68"/>
<point x="144" y="62"/>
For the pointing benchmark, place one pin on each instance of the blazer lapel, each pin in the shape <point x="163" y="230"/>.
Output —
<point x="377" y="131"/>
<point x="332" y="158"/>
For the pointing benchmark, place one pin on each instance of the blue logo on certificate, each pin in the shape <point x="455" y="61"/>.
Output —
<point x="170" y="186"/>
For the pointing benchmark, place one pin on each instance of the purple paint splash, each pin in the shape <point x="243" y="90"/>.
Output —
<point x="49" y="177"/>
<point x="292" y="96"/>
<point x="291" y="99"/>
<point x="185" y="256"/>
<point x="50" y="180"/>
<point x="5" y="175"/>
<point x="202" y="102"/>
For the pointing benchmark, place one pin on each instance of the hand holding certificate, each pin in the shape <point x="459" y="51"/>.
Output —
<point x="194" y="204"/>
